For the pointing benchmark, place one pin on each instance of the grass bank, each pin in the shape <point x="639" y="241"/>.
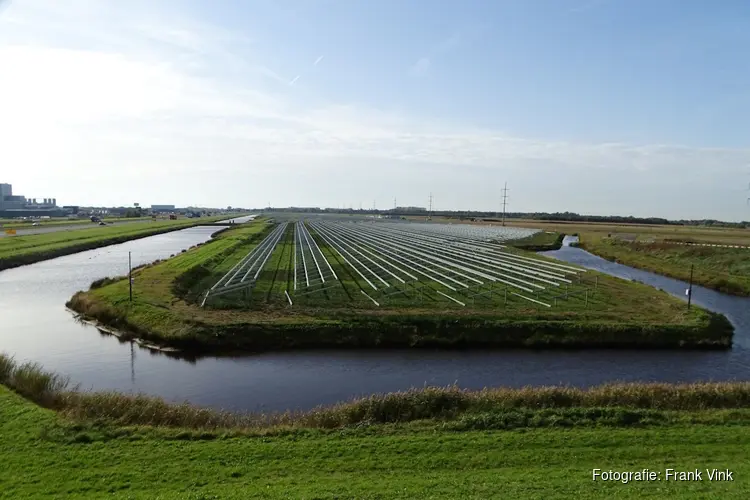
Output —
<point x="28" y="224"/>
<point x="603" y="312"/>
<point x="429" y="443"/>
<point x="661" y="250"/>
<point x="21" y="250"/>
<point x="726" y="270"/>
<point x="540" y="242"/>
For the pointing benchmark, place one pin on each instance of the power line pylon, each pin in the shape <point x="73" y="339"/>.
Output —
<point x="505" y="200"/>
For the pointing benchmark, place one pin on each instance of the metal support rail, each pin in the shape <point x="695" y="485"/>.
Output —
<point x="488" y="259"/>
<point x="377" y="245"/>
<point x="324" y="257"/>
<point x="315" y="260"/>
<point x="304" y="261"/>
<point x="451" y="259"/>
<point x="376" y="256"/>
<point x="354" y="247"/>
<point x="343" y="245"/>
<point x="438" y="262"/>
<point x="451" y="298"/>
<point x="231" y="273"/>
<point x="406" y="262"/>
<point x="270" y="250"/>
<point x="330" y="244"/>
<point x="531" y="300"/>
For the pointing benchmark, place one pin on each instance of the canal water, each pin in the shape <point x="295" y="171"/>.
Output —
<point x="35" y="326"/>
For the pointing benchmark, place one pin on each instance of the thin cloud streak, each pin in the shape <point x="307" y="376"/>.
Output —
<point x="317" y="61"/>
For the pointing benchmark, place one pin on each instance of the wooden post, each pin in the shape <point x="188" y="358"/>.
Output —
<point x="587" y="299"/>
<point x="690" y="288"/>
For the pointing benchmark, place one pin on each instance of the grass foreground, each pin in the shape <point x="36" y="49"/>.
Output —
<point x="165" y="311"/>
<point x="428" y="443"/>
<point x="21" y="250"/>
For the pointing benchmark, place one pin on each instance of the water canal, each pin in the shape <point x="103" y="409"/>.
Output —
<point x="34" y="325"/>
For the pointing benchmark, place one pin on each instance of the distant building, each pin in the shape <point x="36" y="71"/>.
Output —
<point x="409" y="209"/>
<point x="162" y="208"/>
<point x="12" y="205"/>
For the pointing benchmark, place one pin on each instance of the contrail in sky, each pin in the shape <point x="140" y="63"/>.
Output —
<point x="294" y="80"/>
<point x="317" y="60"/>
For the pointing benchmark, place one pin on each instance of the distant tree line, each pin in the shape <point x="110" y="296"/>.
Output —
<point x="541" y="216"/>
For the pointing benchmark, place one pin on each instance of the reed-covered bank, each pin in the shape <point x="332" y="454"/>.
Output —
<point x="423" y="443"/>
<point x="613" y="404"/>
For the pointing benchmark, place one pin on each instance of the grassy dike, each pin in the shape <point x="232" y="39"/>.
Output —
<point x="540" y="242"/>
<point x="22" y="250"/>
<point x="164" y="312"/>
<point x="427" y="443"/>
<point x="725" y="270"/>
<point x="656" y="248"/>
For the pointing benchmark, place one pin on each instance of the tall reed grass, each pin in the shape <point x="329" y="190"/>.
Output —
<point x="441" y="403"/>
<point x="32" y="382"/>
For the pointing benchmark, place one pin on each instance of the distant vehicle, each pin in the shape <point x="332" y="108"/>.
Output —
<point x="94" y="218"/>
<point x="172" y="217"/>
<point x="35" y="224"/>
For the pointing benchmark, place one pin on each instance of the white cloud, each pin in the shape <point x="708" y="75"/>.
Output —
<point x="112" y="95"/>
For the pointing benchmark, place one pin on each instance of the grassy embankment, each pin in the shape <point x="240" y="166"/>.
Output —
<point x="656" y="248"/>
<point x="26" y="249"/>
<point x="540" y="242"/>
<point x="604" y="312"/>
<point x="429" y="443"/>
<point x="61" y="221"/>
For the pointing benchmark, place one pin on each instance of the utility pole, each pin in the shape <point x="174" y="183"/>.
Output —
<point x="690" y="288"/>
<point x="505" y="200"/>
<point x="394" y="203"/>
<point x="130" y="276"/>
<point x="429" y="213"/>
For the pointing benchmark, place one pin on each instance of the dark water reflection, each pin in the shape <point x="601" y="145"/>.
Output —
<point x="35" y="326"/>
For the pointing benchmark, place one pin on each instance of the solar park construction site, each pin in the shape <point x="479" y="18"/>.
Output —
<point x="319" y="261"/>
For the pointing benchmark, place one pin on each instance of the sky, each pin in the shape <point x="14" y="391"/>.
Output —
<point x="608" y="107"/>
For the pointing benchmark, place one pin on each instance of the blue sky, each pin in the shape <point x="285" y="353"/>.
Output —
<point x="596" y="106"/>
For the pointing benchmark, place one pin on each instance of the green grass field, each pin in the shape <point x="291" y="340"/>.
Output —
<point x="653" y="248"/>
<point x="25" y="249"/>
<point x="724" y="269"/>
<point x="63" y="221"/>
<point x="600" y="310"/>
<point x="47" y="455"/>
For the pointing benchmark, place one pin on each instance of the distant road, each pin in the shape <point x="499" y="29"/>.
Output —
<point x="41" y="228"/>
